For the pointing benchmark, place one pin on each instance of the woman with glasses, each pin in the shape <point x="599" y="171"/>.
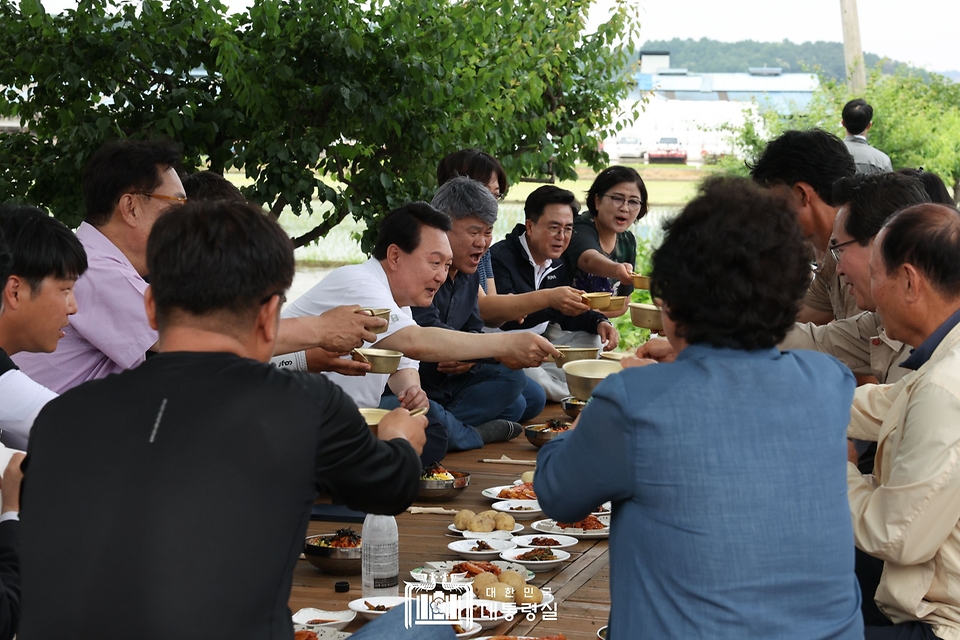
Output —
<point x="603" y="251"/>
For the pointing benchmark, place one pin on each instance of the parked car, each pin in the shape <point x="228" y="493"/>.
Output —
<point x="629" y="147"/>
<point x="668" y="151"/>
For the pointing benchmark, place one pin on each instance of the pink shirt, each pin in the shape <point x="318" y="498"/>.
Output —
<point x="109" y="332"/>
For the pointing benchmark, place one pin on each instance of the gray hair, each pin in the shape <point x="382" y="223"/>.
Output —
<point x="463" y="197"/>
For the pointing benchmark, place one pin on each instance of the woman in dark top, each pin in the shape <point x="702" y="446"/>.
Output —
<point x="603" y="251"/>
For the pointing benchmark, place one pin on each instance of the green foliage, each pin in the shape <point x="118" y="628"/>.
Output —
<point x="706" y="56"/>
<point x="329" y="101"/>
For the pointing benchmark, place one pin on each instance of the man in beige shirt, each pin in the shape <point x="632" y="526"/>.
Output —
<point x="906" y="516"/>
<point x="803" y="165"/>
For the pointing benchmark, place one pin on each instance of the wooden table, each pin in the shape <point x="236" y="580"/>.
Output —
<point x="580" y="586"/>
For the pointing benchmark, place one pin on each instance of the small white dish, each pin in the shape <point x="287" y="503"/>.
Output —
<point x="519" y="509"/>
<point x="360" y="605"/>
<point x="334" y="619"/>
<point x="464" y="548"/>
<point x="536" y="565"/>
<point x="551" y="526"/>
<point x="323" y="633"/>
<point x="470" y="631"/>
<point x="441" y="566"/>
<point x="432" y="574"/>
<point x="564" y="541"/>
<point x="496" y="533"/>
<point x="604" y="510"/>
<point x="494" y="492"/>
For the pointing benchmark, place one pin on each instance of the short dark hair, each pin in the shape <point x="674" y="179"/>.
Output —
<point x="932" y="184"/>
<point x="812" y="156"/>
<point x="463" y="197"/>
<point x="611" y="177"/>
<point x="926" y="236"/>
<point x="732" y="268"/>
<point x="402" y="227"/>
<point x="41" y="246"/>
<point x="217" y="257"/>
<point x="207" y="185"/>
<point x="857" y="116"/>
<point x="548" y="194"/>
<point x="472" y="163"/>
<point x="124" y="166"/>
<point x="871" y="200"/>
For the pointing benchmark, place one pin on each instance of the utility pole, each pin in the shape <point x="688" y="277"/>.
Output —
<point x="852" y="49"/>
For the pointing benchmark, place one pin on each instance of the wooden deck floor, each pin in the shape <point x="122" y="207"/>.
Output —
<point x="581" y="586"/>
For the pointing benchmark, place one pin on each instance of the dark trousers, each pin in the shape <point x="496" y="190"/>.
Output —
<point x="877" y="626"/>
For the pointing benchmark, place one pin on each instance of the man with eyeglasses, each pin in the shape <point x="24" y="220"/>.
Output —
<point x="529" y="263"/>
<point x="127" y="186"/>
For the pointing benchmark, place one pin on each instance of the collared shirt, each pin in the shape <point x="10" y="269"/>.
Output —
<point x="20" y="401"/>
<point x="540" y="271"/>
<point x="868" y="159"/>
<point x="365" y="284"/>
<point x="922" y="353"/>
<point x="109" y="333"/>
<point x="827" y="292"/>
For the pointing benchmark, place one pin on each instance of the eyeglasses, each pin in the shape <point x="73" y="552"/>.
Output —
<point x="558" y="231"/>
<point x="834" y="249"/>
<point x="162" y="197"/>
<point x="617" y="199"/>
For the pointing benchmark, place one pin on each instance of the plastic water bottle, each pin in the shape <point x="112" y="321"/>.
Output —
<point x="381" y="556"/>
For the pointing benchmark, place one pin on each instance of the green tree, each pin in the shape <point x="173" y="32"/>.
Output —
<point x="349" y="104"/>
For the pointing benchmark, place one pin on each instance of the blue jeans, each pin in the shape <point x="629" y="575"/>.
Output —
<point x="534" y="400"/>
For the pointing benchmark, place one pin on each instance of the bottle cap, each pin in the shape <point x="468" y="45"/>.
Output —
<point x="341" y="587"/>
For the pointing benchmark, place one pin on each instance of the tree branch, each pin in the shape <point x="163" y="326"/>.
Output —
<point x="278" y="206"/>
<point x="321" y="229"/>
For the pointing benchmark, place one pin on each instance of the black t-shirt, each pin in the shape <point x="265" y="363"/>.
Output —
<point x="172" y="500"/>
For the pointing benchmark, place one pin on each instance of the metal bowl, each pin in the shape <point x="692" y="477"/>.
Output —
<point x="337" y="561"/>
<point x="584" y="375"/>
<point x="381" y="360"/>
<point x="442" y="490"/>
<point x="640" y="282"/>
<point x="646" y="315"/>
<point x="569" y="354"/>
<point x="383" y="314"/>
<point x="540" y="434"/>
<point x="373" y="416"/>
<point x="571" y="406"/>
<point x="615" y="355"/>
<point x="616" y="303"/>
<point x="597" y="300"/>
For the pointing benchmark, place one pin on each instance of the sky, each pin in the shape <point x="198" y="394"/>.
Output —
<point x="919" y="32"/>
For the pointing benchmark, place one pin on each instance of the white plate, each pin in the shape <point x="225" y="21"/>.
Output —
<point x="471" y="631"/>
<point x="519" y="509"/>
<point x="494" y="492"/>
<point x="361" y="608"/>
<point x="550" y="526"/>
<point x="505" y="535"/>
<point x="536" y="565"/>
<point x="429" y="574"/>
<point x="606" y="505"/>
<point x="323" y="633"/>
<point x="463" y="548"/>
<point x="565" y="541"/>
<point x="447" y="565"/>
<point x="492" y="606"/>
<point x="339" y="619"/>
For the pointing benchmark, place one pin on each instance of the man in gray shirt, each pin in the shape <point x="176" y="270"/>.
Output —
<point x="857" y="120"/>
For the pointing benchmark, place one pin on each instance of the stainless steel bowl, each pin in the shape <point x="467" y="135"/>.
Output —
<point x="383" y="314"/>
<point x="569" y="354"/>
<point x="442" y="490"/>
<point x="571" y="406"/>
<point x="540" y="434"/>
<point x="337" y="561"/>
<point x="584" y="375"/>
<point x="646" y="315"/>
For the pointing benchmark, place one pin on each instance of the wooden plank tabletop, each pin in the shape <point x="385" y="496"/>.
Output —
<point x="580" y="586"/>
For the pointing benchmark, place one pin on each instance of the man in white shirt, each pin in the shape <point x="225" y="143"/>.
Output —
<point x="410" y="262"/>
<point x="37" y="301"/>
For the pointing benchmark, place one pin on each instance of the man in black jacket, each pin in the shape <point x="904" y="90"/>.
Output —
<point x="188" y="481"/>
<point x="529" y="259"/>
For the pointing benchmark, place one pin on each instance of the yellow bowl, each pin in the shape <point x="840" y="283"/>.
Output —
<point x="584" y="375"/>
<point x="379" y="313"/>
<point x="646" y="315"/>
<point x="616" y="303"/>
<point x="597" y="300"/>
<point x="569" y="354"/>
<point x="381" y="360"/>
<point x="373" y="416"/>
<point x="640" y="282"/>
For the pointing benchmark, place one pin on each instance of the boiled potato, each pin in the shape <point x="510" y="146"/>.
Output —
<point x="504" y="521"/>
<point x="482" y="524"/>
<point x="527" y="476"/>
<point x="500" y="592"/>
<point x="489" y="512"/>
<point x="462" y="520"/>
<point x="513" y="579"/>
<point x="482" y="581"/>
<point x="528" y="594"/>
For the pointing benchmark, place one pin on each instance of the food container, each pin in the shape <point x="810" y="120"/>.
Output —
<point x="616" y="303"/>
<point x="443" y="490"/>
<point x="640" y="282"/>
<point x="584" y="375"/>
<point x="646" y="315"/>
<point x="381" y="360"/>
<point x="379" y="313"/>
<point x="540" y="434"/>
<point x="571" y="406"/>
<point x="569" y="354"/>
<point x="597" y="300"/>
<point x="336" y="561"/>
